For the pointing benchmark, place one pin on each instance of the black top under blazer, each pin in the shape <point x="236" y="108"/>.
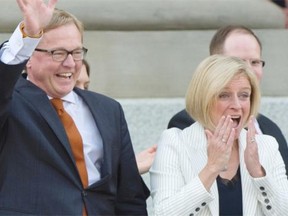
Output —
<point x="38" y="175"/>
<point x="182" y="120"/>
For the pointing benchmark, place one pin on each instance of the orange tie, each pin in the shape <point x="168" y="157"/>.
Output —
<point x="74" y="139"/>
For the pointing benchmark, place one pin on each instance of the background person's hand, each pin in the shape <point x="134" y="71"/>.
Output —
<point x="145" y="159"/>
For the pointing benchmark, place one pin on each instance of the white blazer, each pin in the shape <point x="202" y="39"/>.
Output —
<point x="177" y="190"/>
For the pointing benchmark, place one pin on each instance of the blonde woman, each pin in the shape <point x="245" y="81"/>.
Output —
<point x="216" y="166"/>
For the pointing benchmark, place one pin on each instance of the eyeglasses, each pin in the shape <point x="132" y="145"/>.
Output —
<point x="256" y="62"/>
<point x="61" y="54"/>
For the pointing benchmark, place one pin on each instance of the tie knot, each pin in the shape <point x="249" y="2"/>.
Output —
<point x="58" y="105"/>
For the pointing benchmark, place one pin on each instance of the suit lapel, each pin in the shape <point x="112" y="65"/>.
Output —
<point x="100" y="117"/>
<point x="40" y="102"/>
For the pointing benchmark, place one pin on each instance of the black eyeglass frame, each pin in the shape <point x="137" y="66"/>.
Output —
<point x="258" y="61"/>
<point x="51" y="52"/>
<point x="262" y="62"/>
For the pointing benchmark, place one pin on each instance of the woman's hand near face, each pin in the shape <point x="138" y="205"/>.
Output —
<point x="251" y="155"/>
<point x="219" y="147"/>
<point x="220" y="144"/>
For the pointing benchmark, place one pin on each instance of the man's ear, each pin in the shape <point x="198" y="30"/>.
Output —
<point x="28" y="64"/>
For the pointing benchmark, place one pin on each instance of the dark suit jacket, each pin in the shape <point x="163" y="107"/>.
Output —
<point x="182" y="120"/>
<point x="38" y="175"/>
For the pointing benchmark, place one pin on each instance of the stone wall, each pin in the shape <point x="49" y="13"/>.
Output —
<point x="150" y="48"/>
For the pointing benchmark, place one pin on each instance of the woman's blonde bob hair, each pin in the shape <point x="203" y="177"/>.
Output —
<point x="211" y="76"/>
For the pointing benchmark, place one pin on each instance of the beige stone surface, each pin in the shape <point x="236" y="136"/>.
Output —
<point x="150" y="48"/>
<point x="141" y="64"/>
<point x="159" y="14"/>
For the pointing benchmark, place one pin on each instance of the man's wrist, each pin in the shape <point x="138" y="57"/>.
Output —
<point x="24" y="35"/>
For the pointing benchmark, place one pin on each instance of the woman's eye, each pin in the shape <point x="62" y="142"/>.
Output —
<point x="245" y="95"/>
<point x="224" y="95"/>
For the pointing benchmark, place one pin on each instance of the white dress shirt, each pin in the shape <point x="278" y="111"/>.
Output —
<point x="92" y="140"/>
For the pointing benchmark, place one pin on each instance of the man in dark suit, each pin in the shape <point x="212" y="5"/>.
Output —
<point x="40" y="173"/>
<point x="241" y="42"/>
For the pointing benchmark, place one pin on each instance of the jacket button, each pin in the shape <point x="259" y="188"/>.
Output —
<point x="269" y="207"/>
<point x="262" y="188"/>
<point x="84" y="193"/>
<point x="266" y="201"/>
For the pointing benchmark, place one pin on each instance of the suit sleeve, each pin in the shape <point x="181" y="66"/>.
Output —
<point x="132" y="191"/>
<point x="272" y="190"/>
<point x="180" y="120"/>
<point x="269" y="127"/>
<point x="9" y="75"/>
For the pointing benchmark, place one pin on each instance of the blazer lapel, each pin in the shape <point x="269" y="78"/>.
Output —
<point x="248" y="191"/>
<point x="197" y="144"/>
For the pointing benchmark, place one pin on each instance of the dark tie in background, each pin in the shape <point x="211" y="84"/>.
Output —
<point x="74" y="139"/>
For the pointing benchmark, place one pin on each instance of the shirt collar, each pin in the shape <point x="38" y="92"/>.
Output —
<point x="71" y="97"/>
